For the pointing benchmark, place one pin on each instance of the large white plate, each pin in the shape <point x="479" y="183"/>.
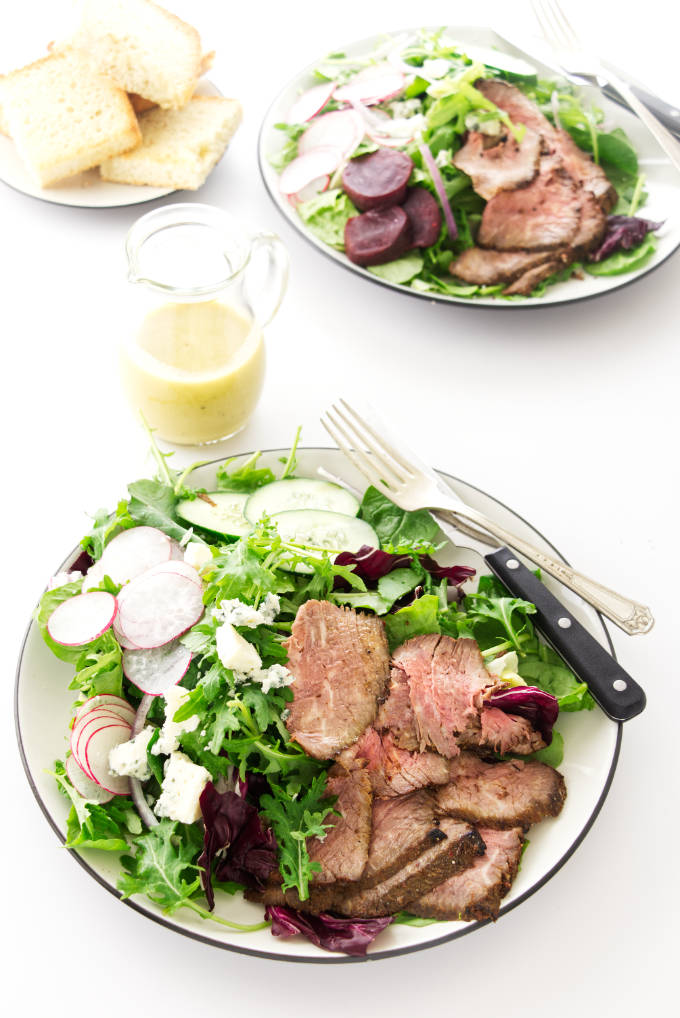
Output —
<point x="662" y="182"/>
<point x="43" y="710"/>
<point x="85" y="190"/>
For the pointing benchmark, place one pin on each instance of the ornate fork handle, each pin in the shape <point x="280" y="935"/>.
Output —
<point x="632" y="617"/>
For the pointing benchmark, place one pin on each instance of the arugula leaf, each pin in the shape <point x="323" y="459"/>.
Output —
<point x="91" y="825"/>
<point x="245" y="478"/>
<point x="508" y="617"/>
<point x="398" y="529"/>
<point x="408" y="919"/>
<point x="106" y="525"/>
<point x="152" y="504"/>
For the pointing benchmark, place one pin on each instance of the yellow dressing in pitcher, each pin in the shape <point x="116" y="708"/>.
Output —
<point x="195" y="370"/>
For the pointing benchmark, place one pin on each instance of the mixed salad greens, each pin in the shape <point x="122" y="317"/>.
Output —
<point x="428" y="117"/>
<point x="263" y="796"/>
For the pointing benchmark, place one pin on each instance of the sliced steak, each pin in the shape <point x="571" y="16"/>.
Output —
<point x="478" y="265"/>
<point x="403" y="828"/>
<point x="343" y="853"/>
<point x="396" y="713"/>
<point x="592" y="225"/>
<point x="394" y="771"/>
<point x="540" y="217"/>
<point x="477" y="892"/>
<point x="458" y="845"/>
<point x="377" y="180"/>
<point x="507" y="733"/>
<point x="378" y="236"/>
<point x="502" y="166"/>
<point x="424" y="215"/>
<point x="515" y="793"/>
<point x="447" y="682"/>
<point x="582" y="168"/>
<point x="340" y="662"/>
<point x="516" y="104"/>
<point x="528" y="282"/>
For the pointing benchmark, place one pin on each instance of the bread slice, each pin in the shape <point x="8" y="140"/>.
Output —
<point x="144" y="48"/>
<point x="140" y="104"/>
<point x="179" y="147"/>
<point x="66" y="117"/>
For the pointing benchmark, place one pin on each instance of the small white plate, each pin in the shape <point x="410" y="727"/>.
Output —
<point x="85" y="190"/>
<point x="592" y="741"/>
<point x="662" y="184"/>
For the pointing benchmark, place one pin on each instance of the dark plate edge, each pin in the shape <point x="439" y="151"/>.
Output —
<point x="325" y="959"/>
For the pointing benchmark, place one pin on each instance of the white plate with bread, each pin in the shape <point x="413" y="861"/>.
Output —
<point x="103" y="120"/>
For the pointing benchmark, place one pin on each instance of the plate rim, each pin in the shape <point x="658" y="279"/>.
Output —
<point x="325" y="958"/>
<point x="432" y="297"/>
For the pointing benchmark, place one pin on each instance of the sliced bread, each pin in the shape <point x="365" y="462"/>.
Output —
<point x="179" y="147"/>
<point x="65" y="117"/>
<point x="144" y="48"/>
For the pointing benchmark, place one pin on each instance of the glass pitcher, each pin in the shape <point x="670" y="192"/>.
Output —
<point x="193" y="361"/>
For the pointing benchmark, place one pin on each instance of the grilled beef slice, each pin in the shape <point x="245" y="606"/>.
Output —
<point x="506" y="733"/>
<point x="530" y="280"/>
<point x="498" y="165"/>
<point x="485" y="267"/>
<point x="457" y="845"/>
<point x="477" y="892"/>
<point x="396" y="715"/>
<point x="344" y="851"/>
<point x="515" y="793"/>
<point x="447" y="681"/>
<point x="340" y="662"/>
<point x="403" y="828"/>
<point x="393" y="771"/>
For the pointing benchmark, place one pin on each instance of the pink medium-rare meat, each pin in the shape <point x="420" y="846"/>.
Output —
<point x="516" y="104"/>
<point x="403" y="827"/>
<point x="424" y="215"/>
<point x="378" y="236"/>
<point x="542" y="216"/>
<point x="396" y="715"/>
<point x="476" y="892"/>
<point x="394" y="771"/>
<point x="340" y="663"/>
<point x="592" y="225"/>
<point x="447" y="683"/>
<point x="582" y="168"/>
<point x="506" y="733"/>
<point x="486" y="267"/>
<point x="344" y="850"/>
<point x="500" y="166"/>
<point x="377" y="180"/>
<point x="514" y="793"/>
<point x="528" y="282"/>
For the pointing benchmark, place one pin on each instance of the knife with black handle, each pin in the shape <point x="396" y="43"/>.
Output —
<point x="619" y="695"/>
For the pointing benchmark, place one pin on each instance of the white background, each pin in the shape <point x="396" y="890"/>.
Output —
<point x="569" y="415"/>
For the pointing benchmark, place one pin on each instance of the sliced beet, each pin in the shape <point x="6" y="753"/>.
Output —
<point x="424" y="214"/>
<point x="378" y="236"/>
<point x="377" y="180"/>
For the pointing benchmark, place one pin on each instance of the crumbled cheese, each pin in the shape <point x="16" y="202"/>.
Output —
<point x="181" y="789"/>
<point x="197" y="554"/>
<point x="168" y="740"/>
<point x="436" y="67"/>
<point x="234" y="651"/>
<point x="61" y="579"/>
<point x="129" y="758"/>
<point x="505" y="668"/>
<point x="269" y="678"/>
<point x="240" y="614"/>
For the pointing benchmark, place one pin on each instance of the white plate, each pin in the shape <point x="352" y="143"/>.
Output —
<point x="662" y="183"/>
<point x="43" y="710"/>
<point x="85" y="190"/>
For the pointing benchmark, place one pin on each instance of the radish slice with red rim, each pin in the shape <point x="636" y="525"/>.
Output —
<point x="341" y="129"/>
<point x="371" y="86"/>
<point x="98" y="745"/>
<point x="82" y="731"/>
<point x="82" y="618"/>
<point x="133" y="552"/>
<point x="308" y="167"/>
<point x="158" y="608"/>
<point x="102" y="700"/>
<point x="154" y="671"/>
<point x="316" y="187"/>
<point x="179" y="568"/>
<point x="176" y="551"/>
<point x="121" y="637"/>
<point x="310" y="103"/>
<point x="85" y="786"/>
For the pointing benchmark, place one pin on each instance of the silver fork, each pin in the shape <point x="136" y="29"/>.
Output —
<point x="410" y="487"/>
<point x="581" y="66"/>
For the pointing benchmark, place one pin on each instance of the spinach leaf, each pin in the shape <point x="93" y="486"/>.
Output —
<point x="245" y="478"/>
<point x="624" y="261"/>
<point x="415" y="619"/>
<point x="398" y="529"/>
<point x="546" y="669"/>
<point x="152" y="504"/>
<point x="402" y="270"/>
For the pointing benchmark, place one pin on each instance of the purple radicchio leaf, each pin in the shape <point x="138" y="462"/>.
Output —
<point x="351" y="936"/>
<point x="235" y="838"/>
<point x="621" y="234"/>
<point x="537" y="706"/>
<point x="371" y="563"/>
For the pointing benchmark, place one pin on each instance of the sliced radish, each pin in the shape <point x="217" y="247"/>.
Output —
<point x="82" y="618"/>
<point x="86" y="786"/>
<point x="96" y="757"/>
<point x="176" y="550"/>
<point x="373" y="85"/>
<point x="133" y="552"/>
<point x="314" y="188"/>
<point x="155" y="671"/>
<point x="310" y="103"/>
<point x="116" y="703"/>
<point x="308" y="167"/>
<point x="121" y="637"/>
<point x="82" y="731"/>
<point x="341" y="129"/>
<point x="179" y="568"/>
<point x="158" y="608"/>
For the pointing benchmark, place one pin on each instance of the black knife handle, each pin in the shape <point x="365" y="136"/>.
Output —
<point x="617" y="693"/>
<point x="668" y="115"/>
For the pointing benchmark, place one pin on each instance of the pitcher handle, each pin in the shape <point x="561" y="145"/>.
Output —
<point x="275" y="281"/>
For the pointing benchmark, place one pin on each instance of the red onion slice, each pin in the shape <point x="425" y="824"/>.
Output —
<point x="429" y="161"/>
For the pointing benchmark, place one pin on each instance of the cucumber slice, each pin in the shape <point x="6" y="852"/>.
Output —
<point x="299" y="493"/>
<point x="224" y="517"/>
<point x="319" y="529"/>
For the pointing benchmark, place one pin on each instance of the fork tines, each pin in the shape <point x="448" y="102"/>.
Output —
<point x="379" y="462"/>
